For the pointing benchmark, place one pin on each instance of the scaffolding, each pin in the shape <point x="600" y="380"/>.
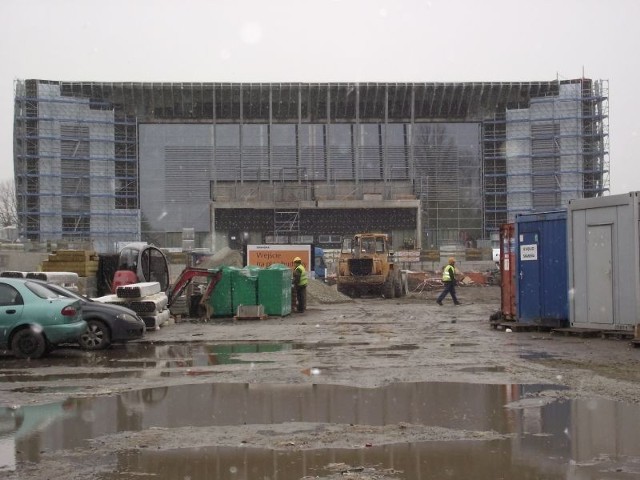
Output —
<point x="75" y="168"/>
<point x="467" y="156"/>
<point x="555" y="150"/>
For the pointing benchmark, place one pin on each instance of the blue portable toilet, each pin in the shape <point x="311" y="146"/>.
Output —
<point x="542" y="268"/>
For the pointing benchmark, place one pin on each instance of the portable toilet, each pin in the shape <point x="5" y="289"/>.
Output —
<point x="541" y="269"/>
<point x="604" y="259"/>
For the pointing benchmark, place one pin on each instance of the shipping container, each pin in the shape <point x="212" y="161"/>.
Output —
<point x="604" y="262"/>
<point x="507" y="262"/>
<point x="541" y="266"/>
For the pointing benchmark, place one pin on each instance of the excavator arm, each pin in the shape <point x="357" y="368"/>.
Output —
<point x="187" y="276"/>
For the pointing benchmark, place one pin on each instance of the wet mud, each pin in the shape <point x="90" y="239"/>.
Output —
<point x="372" y="389"/>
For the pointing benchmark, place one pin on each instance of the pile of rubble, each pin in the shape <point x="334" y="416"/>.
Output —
<point x="318" y="292"/>
<point x="427" y="281"/>
<point x="223" y="257"/>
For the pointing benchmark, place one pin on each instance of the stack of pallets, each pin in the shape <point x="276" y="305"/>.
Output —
<point x="82" y="262"/>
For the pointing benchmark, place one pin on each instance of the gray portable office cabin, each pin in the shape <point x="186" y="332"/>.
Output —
<point x="604" y="262"/>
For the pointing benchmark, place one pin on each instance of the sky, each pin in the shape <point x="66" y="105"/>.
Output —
<point x="330" y="41"/>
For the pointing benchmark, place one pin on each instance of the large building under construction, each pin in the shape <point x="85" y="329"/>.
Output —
<point x="432" y="164"/>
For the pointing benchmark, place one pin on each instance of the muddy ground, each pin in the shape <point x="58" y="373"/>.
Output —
<point x="367" y="343"/>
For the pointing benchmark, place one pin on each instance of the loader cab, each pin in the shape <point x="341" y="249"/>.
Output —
<point x="141" y="262"/>
<point x="365" y="246"/>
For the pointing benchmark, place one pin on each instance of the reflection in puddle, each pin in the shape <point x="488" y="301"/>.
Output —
<point x="67" y="376"/>
<point x="144" y="360"/>
<point x="542" y="434"/>
<point x="531" y="355"/>
<point x="43" y="389"/>
<point x="491" y="369"/>
<point x="140" y="356"/>
<point x="394" y="348"/>
<point x="414" y="461"/>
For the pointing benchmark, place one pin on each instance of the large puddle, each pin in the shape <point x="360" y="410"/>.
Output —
<point x="134" y="360"/>
<point x="543" y="437"/>
<point x="144" y="360"/>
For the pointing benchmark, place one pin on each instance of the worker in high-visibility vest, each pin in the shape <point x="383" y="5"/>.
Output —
<point x="449" y="280"/>
<point x="300" y="281"/>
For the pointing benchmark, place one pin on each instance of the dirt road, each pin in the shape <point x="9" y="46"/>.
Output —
<point x="368" y="388"/>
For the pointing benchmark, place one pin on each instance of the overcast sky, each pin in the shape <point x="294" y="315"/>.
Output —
<point x="327" y="41"/>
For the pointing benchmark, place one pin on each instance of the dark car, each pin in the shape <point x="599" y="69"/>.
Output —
<point x="106" y="323"/>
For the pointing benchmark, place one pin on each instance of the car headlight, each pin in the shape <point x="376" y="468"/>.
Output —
<point x="126" y="317"/>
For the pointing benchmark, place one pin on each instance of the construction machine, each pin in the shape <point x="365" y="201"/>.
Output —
<point x="210" y="277"/>
<point x="366" y="266"/>
<point x="141" y="262"/>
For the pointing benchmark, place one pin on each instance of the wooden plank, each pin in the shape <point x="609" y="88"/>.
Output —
<point x="594" y="332"/>
<point x="260" y="317"/>
<point x="75" y="255"/>
<point x="618" y="334"/>
<point x="578" y="332"/>
<point x="82" y="269"/>
<point x="250" y="312"/>
<point x="521" y="326"/>
<point x="71" y="262"/>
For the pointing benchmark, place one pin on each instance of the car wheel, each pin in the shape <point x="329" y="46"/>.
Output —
<point x="96" y="337"/>
<point x="28" y="344"/>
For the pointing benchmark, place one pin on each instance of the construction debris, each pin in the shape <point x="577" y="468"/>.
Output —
<point x="319" y="292"/>
<point x="225" y="257"/>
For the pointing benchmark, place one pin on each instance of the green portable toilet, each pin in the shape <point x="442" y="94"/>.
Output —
<point x="274" y="289"/>
<point x="221" y="299"/>
<point x="244" y="286"/>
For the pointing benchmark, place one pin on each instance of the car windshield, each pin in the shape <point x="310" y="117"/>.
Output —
<point x="41" y="291"/>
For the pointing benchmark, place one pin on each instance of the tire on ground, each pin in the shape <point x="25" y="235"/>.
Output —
<point x="388" y="289"/>
<point x="397" y="285"/>
<point x="343" y="290"/>
<point x="28" y="344"/>
<point x="96" y="337"/>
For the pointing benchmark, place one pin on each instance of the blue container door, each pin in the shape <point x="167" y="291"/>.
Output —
<point x="529" y="274"/>
<point x="556" y="275"/>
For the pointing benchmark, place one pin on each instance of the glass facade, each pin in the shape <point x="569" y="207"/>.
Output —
<point x="439" y="164"/>
<point x="461" y="150"/>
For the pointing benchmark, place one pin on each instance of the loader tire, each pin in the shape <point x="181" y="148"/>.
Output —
<point x="388" y="289"/>
<point x="345" y="291"/>
<point x="397" y="286"/>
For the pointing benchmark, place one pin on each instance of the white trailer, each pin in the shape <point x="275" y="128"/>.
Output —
<point x="604" y="262"/>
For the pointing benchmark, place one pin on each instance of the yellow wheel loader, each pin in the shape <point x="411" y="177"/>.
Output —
<point x="366" y="266"/>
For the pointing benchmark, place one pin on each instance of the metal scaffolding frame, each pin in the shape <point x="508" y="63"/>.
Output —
<point x="541" y="143"/>
<point x="75" y="167"/>
<point x="555" y="150"/>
